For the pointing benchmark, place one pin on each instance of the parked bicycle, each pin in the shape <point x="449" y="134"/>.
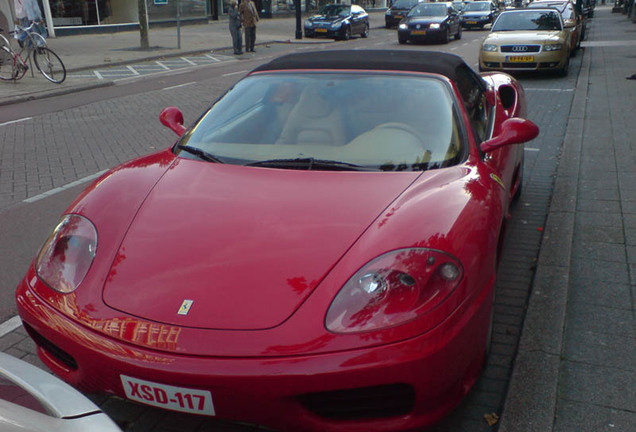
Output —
<point x="13" y="64"/>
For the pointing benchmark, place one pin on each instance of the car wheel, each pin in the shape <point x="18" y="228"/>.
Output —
<point x="346" y="35"/>
<point x="448" y="36"/>
<point x="564" y="70"/>
<point x="458" y="35"/>
<point x="365" y="32"/>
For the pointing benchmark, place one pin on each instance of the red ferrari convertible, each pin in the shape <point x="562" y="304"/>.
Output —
<point x="317" y="252"/>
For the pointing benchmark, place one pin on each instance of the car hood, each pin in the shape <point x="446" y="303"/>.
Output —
<point x="425" y="20"/>
<point x="245" y="246"/>
<point x="472" y="14"/>
<point x="524" y="37"/>
<point x="325" y="19"/>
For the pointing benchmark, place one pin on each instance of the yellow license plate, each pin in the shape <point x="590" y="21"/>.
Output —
<point x="399" y="16"/>
<point x="520" y="59"/>
<point x="418" y="32"/>
<point x="321" y="30"/>
<point x="471" y="22"/>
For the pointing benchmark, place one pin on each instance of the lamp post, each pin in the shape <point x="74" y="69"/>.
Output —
<point x="299" y="30"/>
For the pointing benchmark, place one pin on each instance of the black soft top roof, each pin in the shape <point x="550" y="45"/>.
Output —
<point x="449" y="65"/>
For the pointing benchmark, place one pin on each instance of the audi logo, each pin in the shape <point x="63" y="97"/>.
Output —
<point x="519" y="48"/>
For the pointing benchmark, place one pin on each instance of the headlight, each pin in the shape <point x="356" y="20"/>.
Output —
<point x="393" y="289"/>
<point x="336" y="26"/>
<point x="489" y="47"/>
<point x="403" y="26"/>
<point x="553" y="47"/>
<point x="308" y="24"/>
<point x="68" y="253"/>
<point x="434" y="26"/>
<point x="388" y="12"/>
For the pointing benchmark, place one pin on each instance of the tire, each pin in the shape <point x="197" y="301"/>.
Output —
<point x="448" y="36"/>
<point x="563" y="72"/>
<point x="7" y="63"/>
<point x="365" y="32"/>
<point x="458" y="35"/>
<point x="346" y="34"/>
<point x="50" y="65"/>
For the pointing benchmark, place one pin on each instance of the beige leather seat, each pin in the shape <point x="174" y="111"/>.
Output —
<point x="314" y="120"/>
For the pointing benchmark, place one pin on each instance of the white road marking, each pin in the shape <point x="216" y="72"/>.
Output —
<point x="532" y="149"/>
<point x="235" y="73"/>
<point x="98" y="75"/>
<point x="9" y="325"/>
<point x="16" y="121"/>
<point x="130" y="68"/>
<point x="547" y="89"/>
<point x="180" y="85"/>
<point x="163" y="65"/>
<point x="63" y="188"/>
<point x="188" y="61"/>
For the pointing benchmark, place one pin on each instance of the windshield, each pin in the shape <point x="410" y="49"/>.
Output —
<point x="429" y="10"/>
<point x="371" y="121"/>
<point x="404" y="4"/>
<point x="528" y="20"/>
<point x="476" y="6"/>
<point x="335" y="10"/>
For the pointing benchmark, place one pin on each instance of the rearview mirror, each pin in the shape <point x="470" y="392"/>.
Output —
<point x="513" y="131"/>
<point x="172" y="118"/>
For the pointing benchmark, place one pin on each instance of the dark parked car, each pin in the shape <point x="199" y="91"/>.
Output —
<point x="398" y="11"/>
<point x="479" y="13"/>
<point x="338" y="21"/>
<point x="430" y="21"/>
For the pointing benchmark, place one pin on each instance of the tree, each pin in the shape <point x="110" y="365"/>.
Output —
<point x="143" y="24"/>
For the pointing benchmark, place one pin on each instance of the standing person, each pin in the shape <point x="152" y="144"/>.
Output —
<point x="27" y="11"/>
<point x="235" y="27"/>
<point x="250" y="18"/>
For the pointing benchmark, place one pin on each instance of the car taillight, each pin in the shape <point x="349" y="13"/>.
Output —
<point x="393" y="289"/>
<point x="68" y="254"/>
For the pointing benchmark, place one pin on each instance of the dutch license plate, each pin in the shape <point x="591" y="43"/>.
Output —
<point x="321" y="30"/>
<point x="418" y="32"/>
<point x="471" y="22"/>
<point x="399" y="16"/>
<point x="520" y="59"/>
<point x="169" y="397"/>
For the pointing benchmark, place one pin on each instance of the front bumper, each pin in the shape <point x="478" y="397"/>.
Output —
<point x="427" y="375"/>
<point x="314" y="32"/>
<point x="393" y="20"/>
<point x="546" y="60"/>
<point x="469" y="22"/>
<point x="423" y="34"/>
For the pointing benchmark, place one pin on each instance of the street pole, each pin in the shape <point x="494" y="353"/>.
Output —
<point x="299" y="30"/>
<point x="178" y="24"/>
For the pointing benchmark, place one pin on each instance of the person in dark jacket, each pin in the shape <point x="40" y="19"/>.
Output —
<point x="235" y="27"/>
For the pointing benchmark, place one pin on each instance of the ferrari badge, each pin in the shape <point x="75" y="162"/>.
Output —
<point x="185" y="307"/>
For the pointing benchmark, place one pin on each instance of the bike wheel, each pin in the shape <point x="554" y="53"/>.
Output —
<point x="49" y="64"/>
<point x="7" y="64"/>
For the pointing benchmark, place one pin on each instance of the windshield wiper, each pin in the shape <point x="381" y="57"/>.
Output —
<point x="309" y="164"/>
<point x="208" y="157"/>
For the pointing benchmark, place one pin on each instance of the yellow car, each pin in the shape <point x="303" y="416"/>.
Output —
<point x="527" y="40"/>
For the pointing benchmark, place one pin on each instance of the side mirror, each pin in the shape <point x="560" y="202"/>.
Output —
<point x="172" y="118"/>
<point x="513" y="131"/>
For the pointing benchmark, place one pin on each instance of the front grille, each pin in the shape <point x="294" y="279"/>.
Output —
<point x="362" y="403"/>
<point x="521" y="49"/>
<point x="61" y="355"/>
